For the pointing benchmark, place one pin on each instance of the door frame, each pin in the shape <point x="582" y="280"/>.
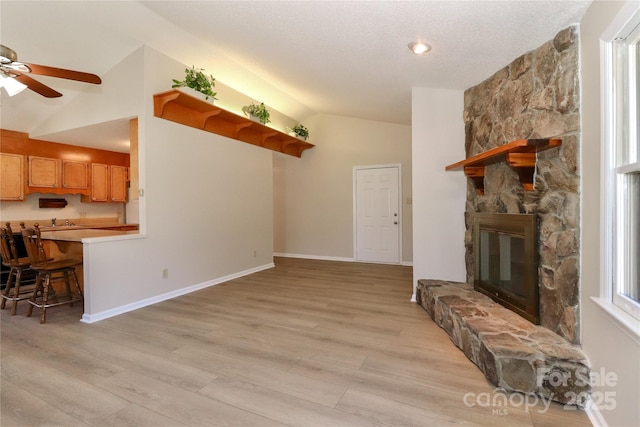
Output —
<point x="355" y="208"/>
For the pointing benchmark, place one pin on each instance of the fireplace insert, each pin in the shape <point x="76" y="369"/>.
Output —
<point x="506" y="261"/>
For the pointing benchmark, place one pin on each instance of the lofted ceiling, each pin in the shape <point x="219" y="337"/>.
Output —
<point x="346" y="58"/>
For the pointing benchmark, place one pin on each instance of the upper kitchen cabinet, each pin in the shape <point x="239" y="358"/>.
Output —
<point x="36" y="166"/>
<point x="75" y="175"/>
<point x="57" y="176"/>
<point x="108" y="183"/>
<point x="11" y="177"/>
<point x="118" y="185"/>
<point x="44" y="172"/>
<point x="99" y="183"/>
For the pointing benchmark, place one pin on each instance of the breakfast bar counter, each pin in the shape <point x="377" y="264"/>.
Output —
<point x="67" y="243"/>
<point x="79" y="235"/>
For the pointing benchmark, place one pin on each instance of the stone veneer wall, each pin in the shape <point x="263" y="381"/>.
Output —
<point x="536" y="96"/>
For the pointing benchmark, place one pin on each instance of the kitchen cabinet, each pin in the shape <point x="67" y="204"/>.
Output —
<point x="118" y="185"/>
<point x="75" y="175"/>
<point x="44" y="172"/>
<point x="31" y="166"/>
<point x="108" y="183"/>
<point x="99" y="182"/>
<point x="134" y="183"/>
<point x="11" y="177"/>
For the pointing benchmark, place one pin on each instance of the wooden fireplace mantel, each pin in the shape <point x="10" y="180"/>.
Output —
<point x="519" y="154"/>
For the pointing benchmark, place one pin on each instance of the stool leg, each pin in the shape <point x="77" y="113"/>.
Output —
<point x="16" y="292"/>
<point x="32" y="300"/>
<point x="45" y="298"/>
<point x="7" y="289"/>
<point x="75" y="279"/>
<point x="67" y="287"/>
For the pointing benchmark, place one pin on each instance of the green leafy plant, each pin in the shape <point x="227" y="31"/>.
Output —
<point x="260" y="111"/>
<point x="300" y="131"/>
<point x="196" y="79"/>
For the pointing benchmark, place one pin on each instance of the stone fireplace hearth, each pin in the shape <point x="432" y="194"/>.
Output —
<point x="513" y="353"/>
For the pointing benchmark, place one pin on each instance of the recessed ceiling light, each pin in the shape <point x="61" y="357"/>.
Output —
<point x="419" y="48"/>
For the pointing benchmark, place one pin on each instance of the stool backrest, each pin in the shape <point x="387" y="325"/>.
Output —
<point x="8" y="249"/>
<point x="35" y="248"/>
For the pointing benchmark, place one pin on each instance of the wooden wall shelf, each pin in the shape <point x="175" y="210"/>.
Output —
<point x="519" y="154"/>
<point x="179" y="107"/>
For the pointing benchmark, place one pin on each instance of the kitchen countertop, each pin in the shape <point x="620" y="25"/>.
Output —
<point x="102" y="226"/>
<point x="72" y="234"/>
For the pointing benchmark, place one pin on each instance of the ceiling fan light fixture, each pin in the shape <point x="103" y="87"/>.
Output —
<point x="7" y="55"/>
<point x="419" y="48"/>
<point x="11" y="85"/>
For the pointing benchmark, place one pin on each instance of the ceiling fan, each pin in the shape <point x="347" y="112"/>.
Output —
<point x="13" y="71"/>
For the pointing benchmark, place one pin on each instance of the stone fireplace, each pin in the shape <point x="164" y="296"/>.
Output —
<point x="536" y="96"/>
<point x="533" y="98"/>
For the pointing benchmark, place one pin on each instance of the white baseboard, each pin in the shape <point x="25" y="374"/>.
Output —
<point x="318" y="257"/>
<point x="92" y="318"/>
<point x="595" y="416"/>
<point x="329" y="258"/>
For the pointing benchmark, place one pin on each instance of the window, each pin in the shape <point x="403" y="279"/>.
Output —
<point x="623" y="169"/>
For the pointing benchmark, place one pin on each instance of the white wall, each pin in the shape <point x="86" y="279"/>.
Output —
<point x="438" y="196"/>
<point x="606" y="344"/>
<point x="119" y="96"/>
<point x="207" y="207"/>
<point x="313" y="196"/>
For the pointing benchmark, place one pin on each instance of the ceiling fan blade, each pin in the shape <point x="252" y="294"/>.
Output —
<point x="45" y="70"/>
<point x="36" y="86"/>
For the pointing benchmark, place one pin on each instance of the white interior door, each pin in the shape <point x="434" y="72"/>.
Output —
<point x="377" y="214"/>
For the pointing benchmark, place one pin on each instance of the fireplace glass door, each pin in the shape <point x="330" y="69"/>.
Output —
<point x="502" y="261"/>
<point x="506" y="261"/>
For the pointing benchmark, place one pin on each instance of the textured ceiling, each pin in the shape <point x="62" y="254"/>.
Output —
<point x="346" y="58"/>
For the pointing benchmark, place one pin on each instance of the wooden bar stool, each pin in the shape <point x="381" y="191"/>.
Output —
<point x="21" y="278"/>
<point x="44" y="295"/>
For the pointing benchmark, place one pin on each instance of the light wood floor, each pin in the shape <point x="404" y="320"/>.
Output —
<point x="308" y="343"/>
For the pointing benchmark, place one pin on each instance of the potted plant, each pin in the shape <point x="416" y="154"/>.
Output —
<point x="196" y="79"/>
<point x="299" y="131"/>
<point x="260" y="112"/>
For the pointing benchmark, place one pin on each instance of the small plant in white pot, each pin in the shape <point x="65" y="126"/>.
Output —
<point x="196" y="79"/>
<point x="260" y="112"/>
<point x="299" y="131"/>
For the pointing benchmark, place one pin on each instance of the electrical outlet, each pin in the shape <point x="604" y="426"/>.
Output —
<point x="165" y="273"/>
